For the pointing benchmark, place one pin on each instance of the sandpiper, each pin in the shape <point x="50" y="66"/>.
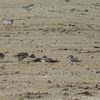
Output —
<point x="73" y="59"/>
<point x="28" y="7"/>
<point x="45" y="59"/>
<point x="2" y="56"/>
<point x="7" y="21"/>
<point x="21" y="56"/>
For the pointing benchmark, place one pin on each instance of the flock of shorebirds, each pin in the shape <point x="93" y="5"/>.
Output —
<point x="43" y="59"/>
<point x="22" y="55"/>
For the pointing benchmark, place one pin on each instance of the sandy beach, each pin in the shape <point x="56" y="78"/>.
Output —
<point x="56" y="29"/>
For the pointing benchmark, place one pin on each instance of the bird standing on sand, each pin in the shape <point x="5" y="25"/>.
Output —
<point x="73" y="59"/>
<point x="21" y="56"/>
<point x="28" y="7"/>
<point x="7" y="21"/>
<point x="2" y="56"/>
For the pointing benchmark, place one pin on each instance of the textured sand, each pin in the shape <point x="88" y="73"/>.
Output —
<point x="55" y="28"/>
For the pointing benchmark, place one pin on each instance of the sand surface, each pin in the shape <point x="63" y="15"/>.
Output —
<point x="55" y="28"/>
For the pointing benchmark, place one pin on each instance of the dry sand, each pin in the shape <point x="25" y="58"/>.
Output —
<point x="55" y="28"/>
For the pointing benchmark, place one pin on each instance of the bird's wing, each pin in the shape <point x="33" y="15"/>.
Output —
<point x="51" y="60"/>
<point x="75" y="60"/>
<point x="37" y="60"/>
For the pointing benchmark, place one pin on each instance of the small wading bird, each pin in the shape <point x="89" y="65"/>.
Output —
<point x="28" y="7"/>
<point x="45" y="59"/>
<point x="7" y="21"/>
<point x="73" y="60"/>
<point x="2" y="56"/>
<point x="21" y="56"/>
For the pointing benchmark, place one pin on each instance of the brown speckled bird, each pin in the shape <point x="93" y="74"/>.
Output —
<point x="21" y="56"/>
<point x="73" y="60"/>
<point x="45" y="59"/>
<point x="28" y="7"/>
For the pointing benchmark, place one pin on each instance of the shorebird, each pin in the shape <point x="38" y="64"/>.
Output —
<point x="21" y="56"/>
<point x="2" y="56"/>
<point x="73" y="59"/>
<point x="28" y="7"/>
<point x="7" y="21"/>
<point x="45" y="59"/>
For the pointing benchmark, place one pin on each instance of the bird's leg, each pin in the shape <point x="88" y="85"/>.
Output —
<point x="19" y="60"/>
